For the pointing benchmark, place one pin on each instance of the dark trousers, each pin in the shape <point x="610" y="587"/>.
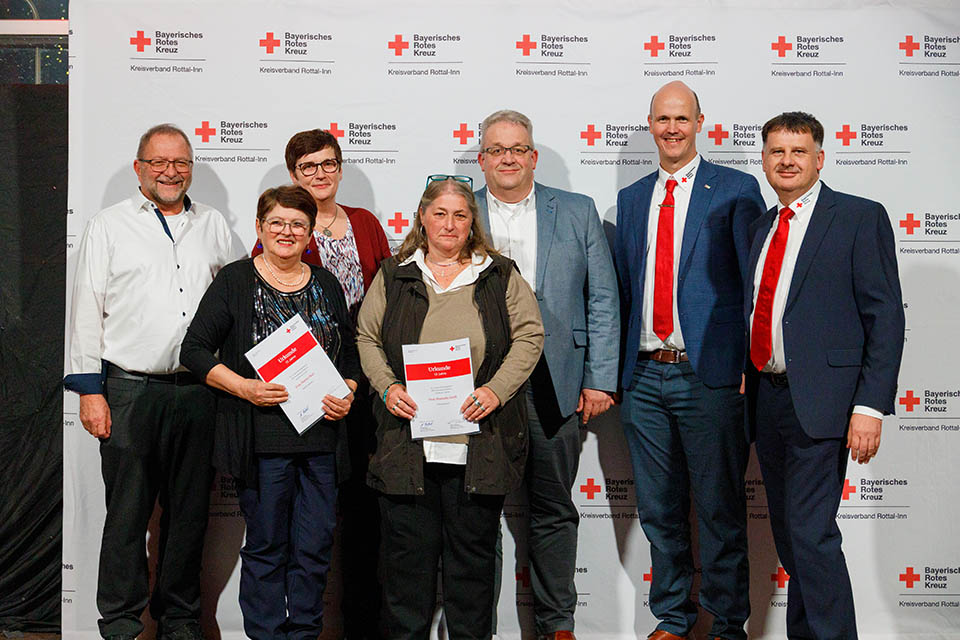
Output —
<point x="159" y="446"/>
<point x="286" y="555"/>
<point x="447" y="524"/>
<point x="804" y="483"/>
<point x="686" y="436"/>
<point x="552" y="541"/>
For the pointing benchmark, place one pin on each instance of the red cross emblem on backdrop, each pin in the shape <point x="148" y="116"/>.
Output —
<point x="139" y="41"/>
<point x="781" y="577"/>
<point x="910" y="224"/>
<point x="398" y="44"/>
<point x="909" y="577"/>
<point x="590" y="134"/>
<point x="909" y="400"/>
<point x="398" y="223"/>
<point x="848" y="489"/>
<point x="781" y="46"/>
<point x="591" y="488"/>
<point x="205" y="131"/>
<point x="526" y="44"/>
<point x="463" y="133"/>
<point x="648" y="576"/>
<point x="846" y="135"/>
<point x="718" y="134"/>
<point x="908" y="46"/>
<point x="654" y="46"/>
<point x="268" y="42"/>
<point x="334" y="131"/>
<point x="523" y="577"/>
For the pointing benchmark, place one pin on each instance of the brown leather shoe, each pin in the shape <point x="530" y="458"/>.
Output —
<point x="660" y="634"/>
<point x="559" y="635"/>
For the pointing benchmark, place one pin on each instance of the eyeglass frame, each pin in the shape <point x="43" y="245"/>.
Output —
<point x="167" y="163"/>
<point x="285" y="223"/>
<point x="525" y="150"/>
<point x="440" y="177"/>
<point x="319" y="166"/>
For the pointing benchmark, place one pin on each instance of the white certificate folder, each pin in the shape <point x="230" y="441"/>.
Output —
<point x="291" y="356"/>
<point x="439" y="378"/>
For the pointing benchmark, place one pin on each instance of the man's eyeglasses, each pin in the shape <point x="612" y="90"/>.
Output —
<point x="159" y="166"/>
<point x="329" y="165"/>
<point x="440" y="177"/>
<point x="518" y="151"/>
<point x="297" y="227"/>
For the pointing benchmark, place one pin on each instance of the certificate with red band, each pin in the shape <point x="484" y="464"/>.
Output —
<point x="291" y="356"/>
<point x="439" y="378"/>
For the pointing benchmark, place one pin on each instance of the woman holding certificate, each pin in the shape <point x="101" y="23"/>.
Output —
<point x="441" y="495"/>
<point x="285" y="471"/>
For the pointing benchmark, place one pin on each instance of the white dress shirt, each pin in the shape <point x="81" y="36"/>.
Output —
<point x="685" y="176"/>
<point x="448" y="452"/>
<point x="513" y="231"/>
<point x="802" y="209"/>
<point x="136" y="289"/>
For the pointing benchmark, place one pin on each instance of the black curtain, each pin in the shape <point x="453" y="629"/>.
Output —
<point x="33" y="213"/>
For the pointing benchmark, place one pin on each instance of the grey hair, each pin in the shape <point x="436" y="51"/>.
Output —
<point x="166" y="129"/>
<point x="506" y="115"/>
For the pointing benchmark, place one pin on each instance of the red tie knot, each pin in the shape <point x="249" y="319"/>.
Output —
<point x="671" y="185"/>
<point x="786" y="213"/>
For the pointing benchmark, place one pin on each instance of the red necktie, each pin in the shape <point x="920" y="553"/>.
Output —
<point x="663" y="273"/>
<point x="761" y="334"/>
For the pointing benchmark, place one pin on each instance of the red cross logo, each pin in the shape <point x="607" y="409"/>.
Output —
<point x="526" y="44"/>
<point x="591" y="135"/>
<point x="908" y="46"/>
<point x="846" y="135"/>
<point x="909" y="400"/>
<point x="591" y="488"/>
<point x="451" y="348"/>
<point x="463" y="133"/>
<point x="289" y="330"/>
<point x="398" y="45"/>
<point x="654" y="46"/>
<point x="848" y="489"/>
<point x="909" y="577"/>
<point x="140" y="42"/>
<point x="334" y="131"/>
<point x="648" y="576"/>
<point x="205" y="131"/>
<point x="781" y="46"/>
<point x="718" y="134"/>
<point x="684" y="178"/>
<point x="398" y="223"/>
<point x="268" y="42"/>
<point x="781" y="577"/>
<point x="523" y="577"/>
<point x="910" y="224"/>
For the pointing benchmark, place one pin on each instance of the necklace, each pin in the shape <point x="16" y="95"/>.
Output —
<point x="277" y="278"/>
<point x="326" y="230"/>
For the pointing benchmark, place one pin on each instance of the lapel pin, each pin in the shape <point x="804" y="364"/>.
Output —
<point x="706" y="186"/>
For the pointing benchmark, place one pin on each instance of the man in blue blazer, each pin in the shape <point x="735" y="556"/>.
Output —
<point x="681" y="257"/>
<point x="557" y="240"/>
<point x="826" y="322"/>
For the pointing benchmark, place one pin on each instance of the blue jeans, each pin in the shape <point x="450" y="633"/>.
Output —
<point x="683" y="436"/>
<point x="290" y="521"/>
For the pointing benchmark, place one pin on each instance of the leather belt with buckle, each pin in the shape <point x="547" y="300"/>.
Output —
<point x="668" y="356"/>
<point x="776" y="379"/>
<point x="180" y="378"/>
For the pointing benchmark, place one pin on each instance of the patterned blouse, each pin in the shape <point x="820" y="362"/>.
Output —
<point x="339" y="256"/>
<point x="272" y="307"/>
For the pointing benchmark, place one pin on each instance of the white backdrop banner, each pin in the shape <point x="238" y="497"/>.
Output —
<point x="404" y="87"/>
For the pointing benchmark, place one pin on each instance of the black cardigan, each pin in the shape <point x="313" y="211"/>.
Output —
<point x="224" y="323"/>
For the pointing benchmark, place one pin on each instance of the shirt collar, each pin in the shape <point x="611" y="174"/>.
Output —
<point x="146" y="204"/>
<point x="805" y="203"/>
<point x="511" y="207"/>
<point x="467" y="276"/>
<point x="684" y="176"/>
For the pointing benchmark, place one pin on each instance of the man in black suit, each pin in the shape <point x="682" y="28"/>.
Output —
<point x="825" y="313"/>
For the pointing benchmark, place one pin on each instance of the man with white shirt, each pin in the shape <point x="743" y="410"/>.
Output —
<point x="681" y="254"/>
<point x="557" y="241"/>
<point x="143" y="266"/>
<point x="826" y="322"/>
